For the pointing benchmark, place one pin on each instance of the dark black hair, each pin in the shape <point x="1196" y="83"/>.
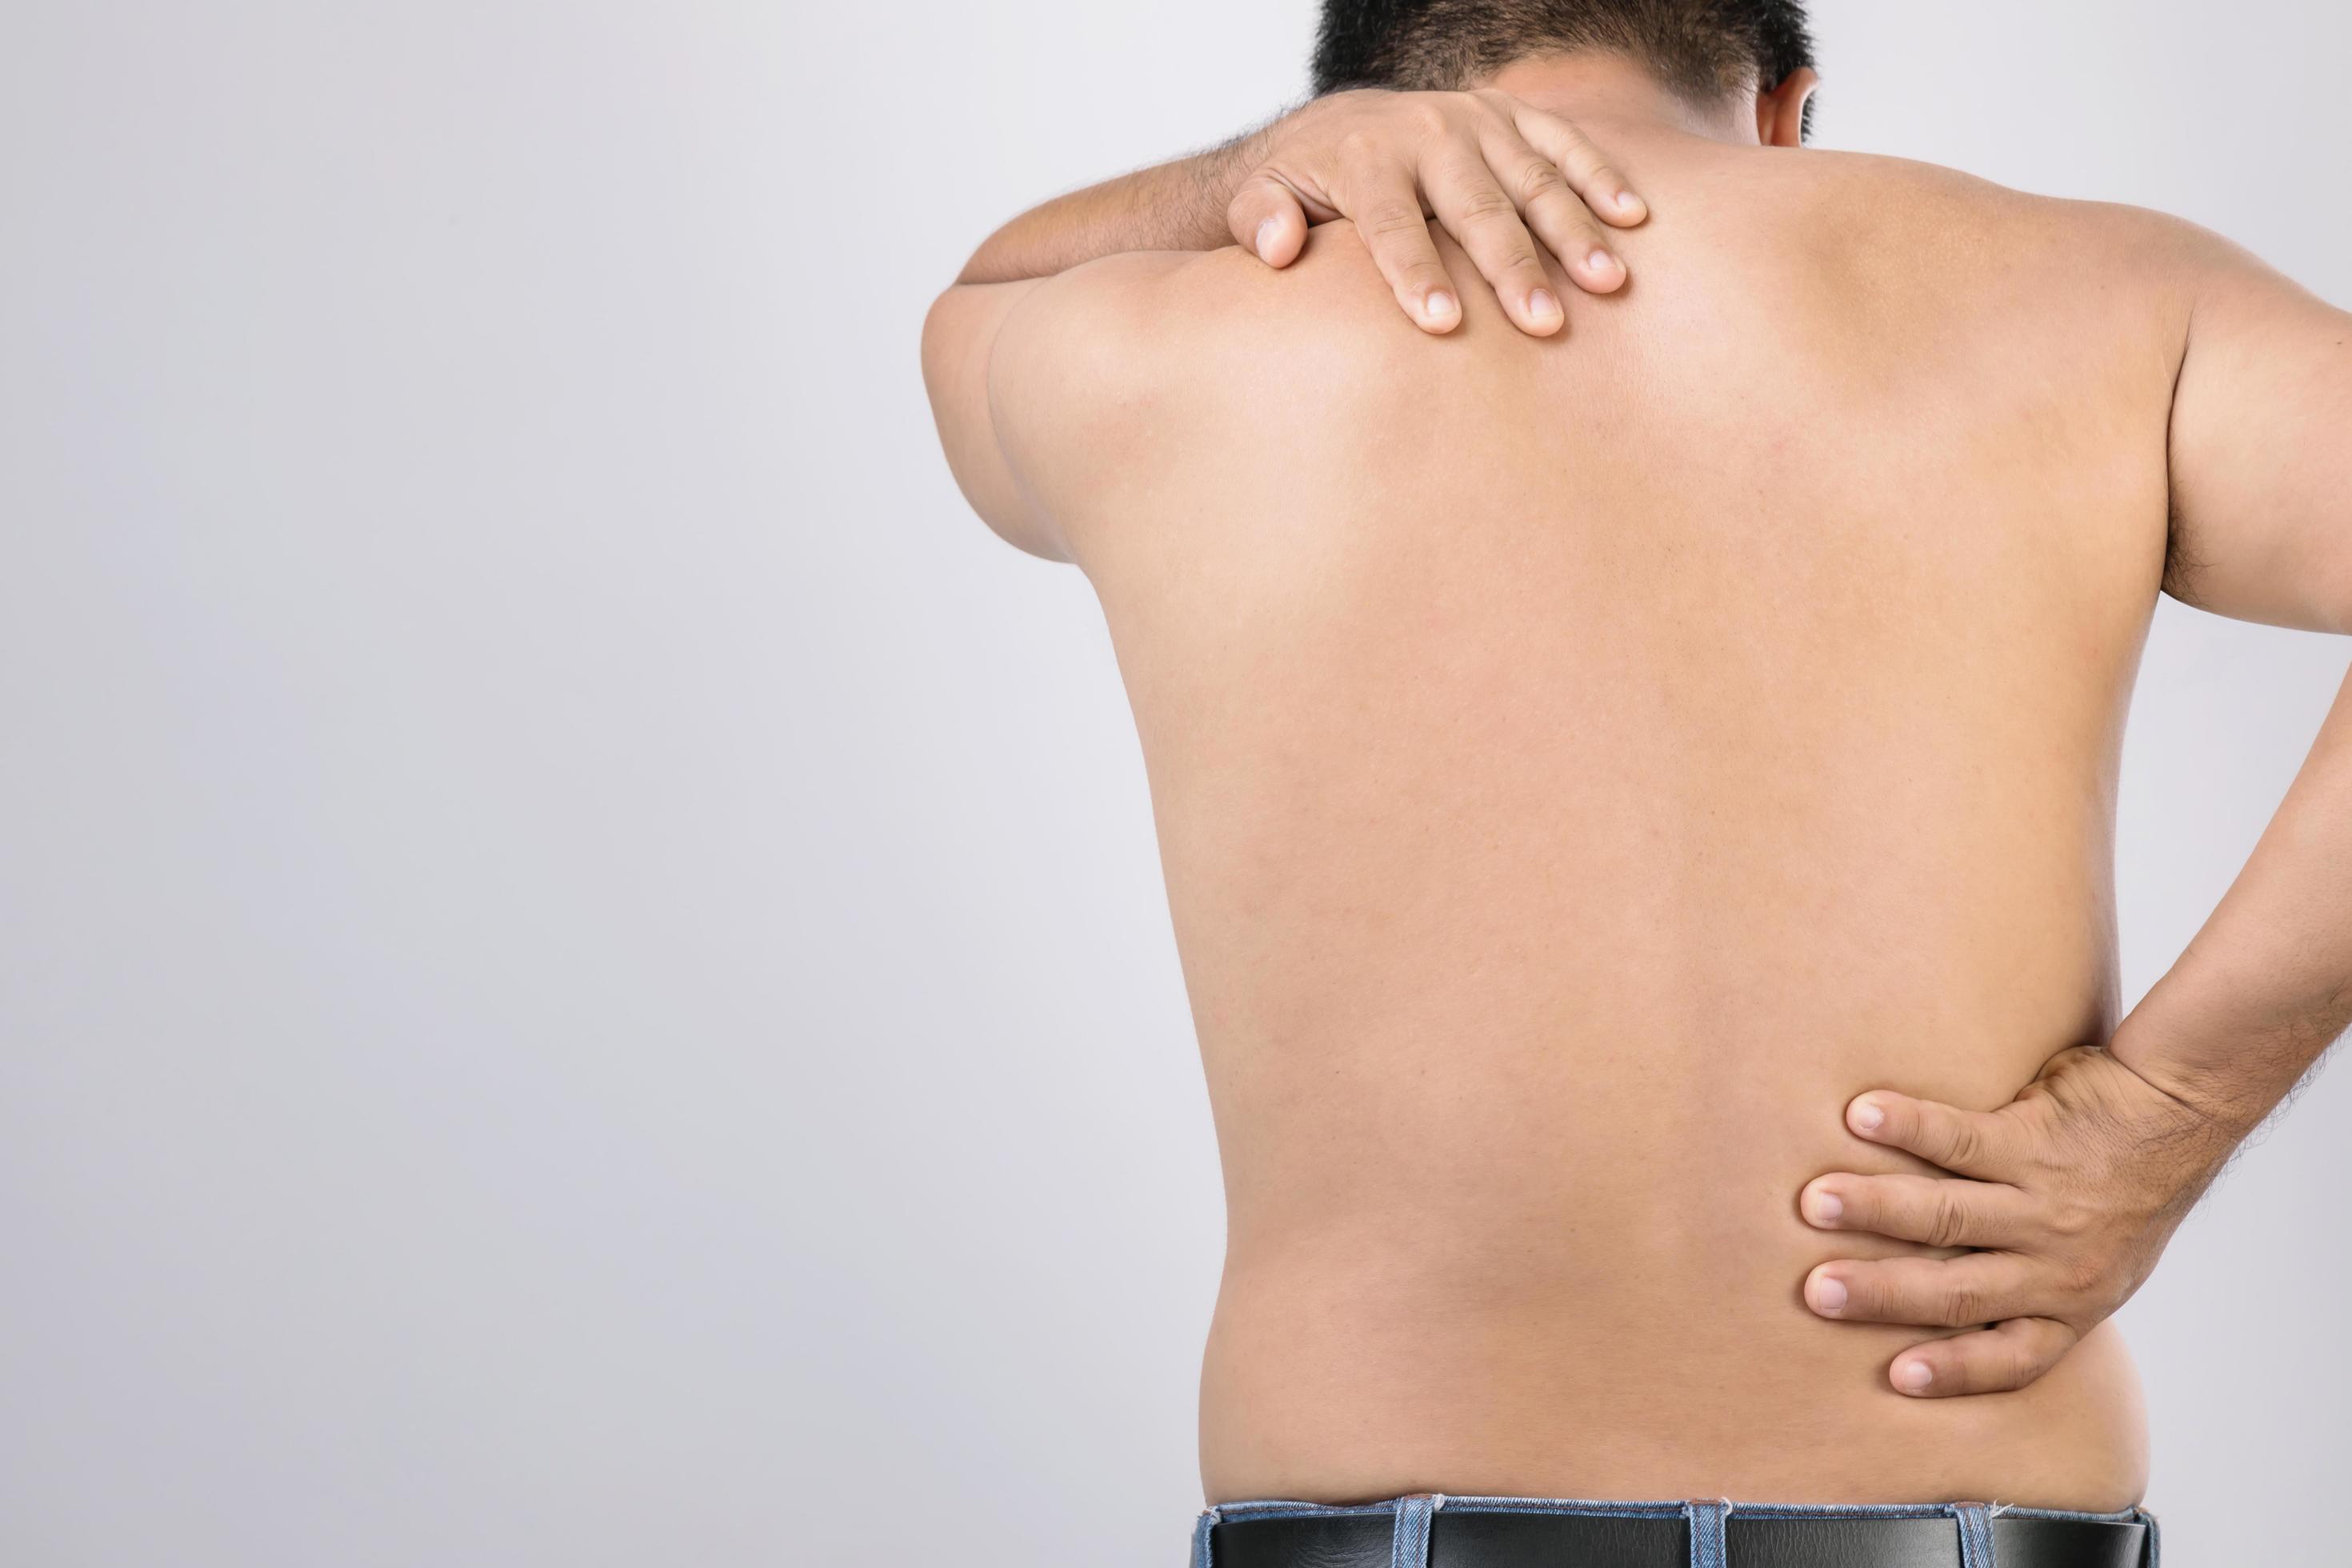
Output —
<point x="1703" y="49"/>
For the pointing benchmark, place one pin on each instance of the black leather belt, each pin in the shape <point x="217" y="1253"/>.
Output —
<point x="1492" y="1537"/>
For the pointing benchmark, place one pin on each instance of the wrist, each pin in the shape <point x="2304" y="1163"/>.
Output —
<point x="1218" y="172"/>
<point x="2218" y="1106"/>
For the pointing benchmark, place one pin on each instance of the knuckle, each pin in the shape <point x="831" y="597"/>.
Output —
<point x="1539" y="180"/>
<point x="2083" y="1277"/>
<point x="1964" y="1302"/>
<point x="1485" y="202"/>
<point x="1947" y="1220"/>
<point x="1414" y="273"/>
<point x="1388" y="222"/>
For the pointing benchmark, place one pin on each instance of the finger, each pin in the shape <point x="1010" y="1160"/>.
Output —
<point x="1267" y="219"/>
<point x="1480" y="215"/>
<point x="1590" y="176"/>
<point x="1941" y="1211"/>
<point x="1398" y="237"/>
<point x="1552" y="210"/>
<point x="1928" y="1292"/>
<point x="2008" y="1355"/>
<point x="1972" y="1143"/>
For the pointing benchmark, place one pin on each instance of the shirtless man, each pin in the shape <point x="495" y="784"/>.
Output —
<point x="1634" y="748"/>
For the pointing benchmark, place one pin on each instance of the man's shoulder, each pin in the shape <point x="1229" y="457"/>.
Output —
<point x="1159" y="318"/>
<point x="1139" y="355"/>
<point x="1942" y="215"/>
<point x="1164" y="323"/>
<point x="1151" y="353"/>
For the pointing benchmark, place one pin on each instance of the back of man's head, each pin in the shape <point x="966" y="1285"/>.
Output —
<point x="1704" y="50"/>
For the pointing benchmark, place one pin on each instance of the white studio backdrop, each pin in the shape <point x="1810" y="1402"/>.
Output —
<point x="583" y="971"/>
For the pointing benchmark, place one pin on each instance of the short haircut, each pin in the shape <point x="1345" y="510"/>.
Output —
<point x="1703" y="51"/>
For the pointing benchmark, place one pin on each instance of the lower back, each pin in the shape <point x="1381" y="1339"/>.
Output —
<point x="1533" y="977"/>
<point x="1592" y="763"/>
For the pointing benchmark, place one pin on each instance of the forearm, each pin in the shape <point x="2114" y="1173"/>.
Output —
<point x="2267" y="986"/>
<point x="1178" y="205"/>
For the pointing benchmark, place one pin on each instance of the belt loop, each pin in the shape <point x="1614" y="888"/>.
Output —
<point x="2153" y="1557"/>
<point x="1409" y="1545"/>
<point x="1975" y="1535"/>
<point x="1706" y="1518"/>
<point x="1204" y="1551"/>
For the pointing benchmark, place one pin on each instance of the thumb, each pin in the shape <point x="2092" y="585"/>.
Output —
<point x="1266" y="220"/>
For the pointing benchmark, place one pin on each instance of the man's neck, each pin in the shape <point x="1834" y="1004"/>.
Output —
<point x="1592" y="88"/>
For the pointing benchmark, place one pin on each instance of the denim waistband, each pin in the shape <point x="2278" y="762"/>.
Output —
<point x="1415" y="1515"/>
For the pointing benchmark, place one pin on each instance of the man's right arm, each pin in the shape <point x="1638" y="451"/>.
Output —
<point x="959" y="341"/>
<point x="1499" y="174"/>
<point x="1039" y="366"/>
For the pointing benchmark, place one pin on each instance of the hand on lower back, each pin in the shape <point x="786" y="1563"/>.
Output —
<point x="1490" y="169"/>
<point x="2067" y="1194"/>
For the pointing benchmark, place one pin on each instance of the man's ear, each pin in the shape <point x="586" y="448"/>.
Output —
<point x="1781" y="114"/>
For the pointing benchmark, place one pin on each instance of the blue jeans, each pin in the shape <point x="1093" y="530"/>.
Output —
<point x="1413" y="1517"/>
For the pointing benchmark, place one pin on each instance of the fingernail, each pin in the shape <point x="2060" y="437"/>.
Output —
<point x="1438" y="306"/>
<point x="1827" y="1207"/>
<point x="1829" y="1294"/>
<point x="1866" y="1116"/>
<point x="1601" y="261"/>
<point x="1542" y="306"/>
<point x="1911" y="1376"/>
<point x="1267" y="232"/>
<point x="1627" y="202"/>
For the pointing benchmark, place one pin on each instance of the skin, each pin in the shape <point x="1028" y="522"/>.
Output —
<point x="1593" y="768"/>
<point x="1509" y="182"/>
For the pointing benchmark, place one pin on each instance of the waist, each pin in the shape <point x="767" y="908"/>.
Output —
<point x="1437" y="1530"/>
<point x="1491" y="1257"/>
<point x="1591" y="1370"/>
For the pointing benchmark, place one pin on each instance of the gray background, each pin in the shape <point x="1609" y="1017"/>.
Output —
<point x="582" y="977"/>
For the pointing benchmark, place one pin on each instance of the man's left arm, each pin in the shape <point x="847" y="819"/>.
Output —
<point x="2068" y="1194"/>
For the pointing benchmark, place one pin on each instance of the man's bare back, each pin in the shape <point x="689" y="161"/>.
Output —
<point x="1582" y="764"/>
